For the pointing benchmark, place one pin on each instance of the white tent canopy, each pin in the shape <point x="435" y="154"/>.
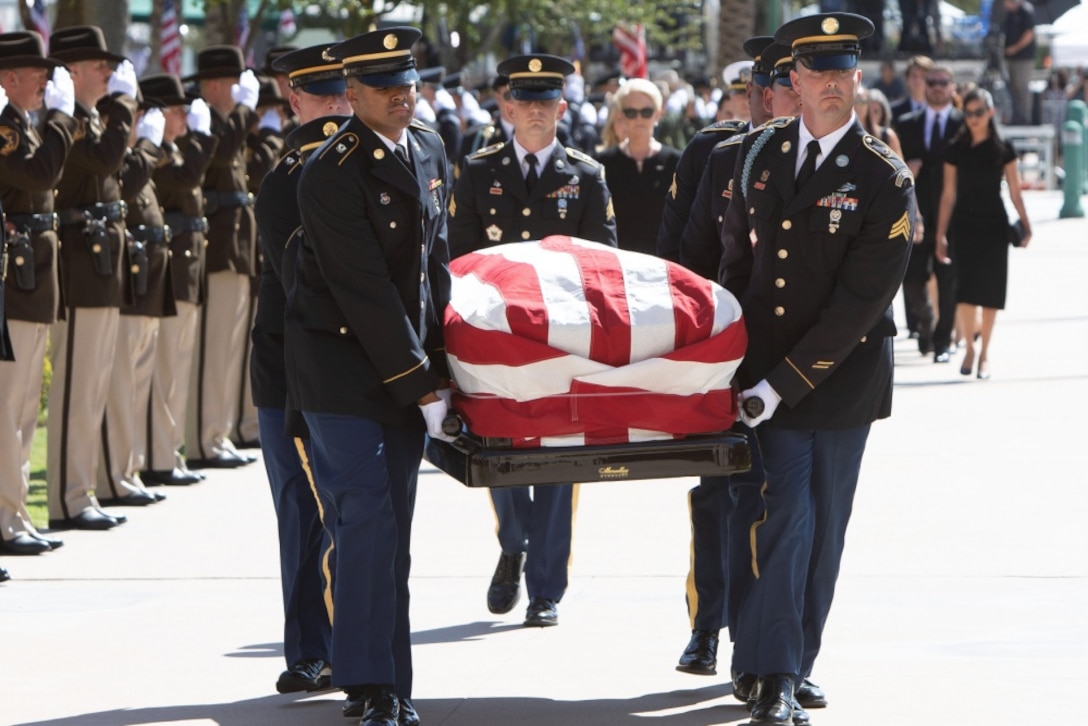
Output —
<point x="1069" y="46"/>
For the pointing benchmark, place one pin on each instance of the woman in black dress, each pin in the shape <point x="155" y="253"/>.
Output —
<point x="639" y="169"/>
<point x="972" y="225"/>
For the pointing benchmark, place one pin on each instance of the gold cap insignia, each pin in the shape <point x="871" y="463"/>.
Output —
<point x="325" y="55"/>
<point x="329" y="128"/>
<point x="830" y="26"/>
<point x="535" y="65"/>
<point x="390" y="41"/>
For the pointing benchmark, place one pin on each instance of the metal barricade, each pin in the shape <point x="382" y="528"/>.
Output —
<point x="1035" y="147"/>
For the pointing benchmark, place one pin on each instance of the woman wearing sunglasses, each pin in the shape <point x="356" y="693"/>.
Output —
<point x="972" y="224"/>
<point x="639" y="169"/>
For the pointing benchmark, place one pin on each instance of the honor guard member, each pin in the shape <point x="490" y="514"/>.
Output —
<point x="499" y="131"/>
<point x="526" y="190"/>
<point x="31" y="160"/>
<point x="188" y="147"/>
<point x="365" y="326"/>
<point x="125" y="421"/>
<point x="689" y="170"/>
<point x="716" y="580"/>
<point x="317" y="91"/>
<point x="94" y="271"/>
<point x="231" y="91"/>
<point x="815" y="243"/>
<point x="443" y="110"/>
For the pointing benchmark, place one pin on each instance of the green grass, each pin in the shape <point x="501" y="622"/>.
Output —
<point x="36" y="501"/>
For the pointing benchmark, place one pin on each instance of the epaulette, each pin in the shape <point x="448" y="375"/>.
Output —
<point x="488" y="150"/>
<point x="731" y="141"/>
<point x="420" y="126"/>
<point x="730" y="126"/>
<point x="902" y="171"/>
<point x="582" y="156"/>
<point x="341" y="145"/>
<point x="778" y="122"/>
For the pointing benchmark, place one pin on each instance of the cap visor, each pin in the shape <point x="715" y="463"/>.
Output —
<point x="833" y="62"/>
<point x="762" y="79"/>
<point x="389" y="80"/>
<point x="535" y="94"/>
<point x="328" y="87"/>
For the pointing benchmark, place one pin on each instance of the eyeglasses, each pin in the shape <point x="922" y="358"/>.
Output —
<point x="636" y="112"/>
<point x="977" y="113"/>
<point x="937" y="82"/>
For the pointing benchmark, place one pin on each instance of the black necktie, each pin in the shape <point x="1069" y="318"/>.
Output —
<point x="402" y="154"/>
<point x="808" y="167"/>
<point x="532" y="177"/>
<point x="935" y="133"/>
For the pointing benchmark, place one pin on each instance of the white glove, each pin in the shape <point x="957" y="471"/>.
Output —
<point x="3" y="99"/>
<point x="434" y="414"/>
<point x="60" y="92"/>
<point x="765" y="393"/>
<point x="151" y="126"/>
<point x="247" y="90"/>
<point x="446" y="394"/>
<point x="123" y="80"/>
<point x="271" y="119"/>
<point x="199" y="117"/>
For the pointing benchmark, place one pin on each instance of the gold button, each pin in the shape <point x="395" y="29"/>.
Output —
<point x="19" y="260"/>
<point x="525" y="235"/>
<point x="779" y="283"/>
<point x="751" y="210"/>
<point x="787" y="224"/>
<point x="343" y="330"/>
<point x="780" y="311"/>
<point x="169" y="254"/>
<point x="864" y="338"/>
<point x="720" y="217"/>
<point x="96" y="248"/>
<point x="392" y="225"/>
<point x="135" y="269"/>
<point x="783" y="254"/>
<point x="205" y="244"/>
<point x="492" y="212"/>
<point x="526" y="211"/>
<point x="188" y="253"/>
<point x="237" y="227"/>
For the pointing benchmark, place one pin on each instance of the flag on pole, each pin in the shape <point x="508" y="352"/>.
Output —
<point x="565" y="342"/>
<point x="631" y="41"/>
<point x="170" y="51"/>
<point x="40" y="19"/>
<point x="287" y="27"/>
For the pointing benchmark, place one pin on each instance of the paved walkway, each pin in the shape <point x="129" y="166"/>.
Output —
<point x="962" y="598"/>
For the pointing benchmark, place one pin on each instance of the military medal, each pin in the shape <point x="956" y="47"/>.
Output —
<point x="836" y="218"/>
<point x="384" y="198"/>
<point x="562" y="208"/>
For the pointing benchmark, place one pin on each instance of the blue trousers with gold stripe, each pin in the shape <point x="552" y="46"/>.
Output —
<point x="368" y="472"/>
<point x="797" y="547"/>
<point x="538" y="523"/>
<point x="307" y="631"/>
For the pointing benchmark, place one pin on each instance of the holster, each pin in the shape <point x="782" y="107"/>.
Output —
<point x="96" y="233"/>
<point x="21" y="256"/>
<point x="138" y="260"/>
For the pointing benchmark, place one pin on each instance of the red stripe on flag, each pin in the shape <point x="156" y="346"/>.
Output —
<point x="525" y="311"/>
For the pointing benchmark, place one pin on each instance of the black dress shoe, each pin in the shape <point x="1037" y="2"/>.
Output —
<point x="800" y="715"/>
<point x="54" y="544"/>
<point x="355" y="704"/>
<point x="505" y="590"/>
<point x="809" y="695"/>
<point x="4" y="576"/>
<point x="92" y="519"/>
<point x="701" y="655"/>
<point x="249" y="444"/>
<point x="925" y="345"/>
<point x="23" y="544"/>
<point x="942" y="356"/>
<point x="382" y="708"/>
<point x="744" y="685"/>
<point x="407" y="715"/>
<point x="542" y="613"/>
<point x="773" y="701"/>
<point x="310" y="674"/>
<point x="136" y="499"/>
<point x="171" y="477"/>
<point x="223" y="460"/>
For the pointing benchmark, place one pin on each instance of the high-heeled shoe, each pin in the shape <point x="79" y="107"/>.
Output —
<point x="983" y="371"/>
<point x="967" y="367"/>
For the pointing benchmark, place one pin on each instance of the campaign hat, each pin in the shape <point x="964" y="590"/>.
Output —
<point x="273" y="53"/>
<point x="538" y="77"/>
<point x="268" y="93"/>
<point x="218" y="61"/>
<point x="80" y="43"/>
<point x="381" y="58"/>
<point x="164" y="89"/>
<point x="826" y="41"/>
<point x="311" y="70"/>
<point x="24" y="49"/>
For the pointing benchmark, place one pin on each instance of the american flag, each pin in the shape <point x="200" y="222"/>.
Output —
<point x="565" y="342"/>
<point x="287" y="25"/>
<point x="631" y="41"/>
<point x="170" y="54"/>
<point x="40" y="18"/>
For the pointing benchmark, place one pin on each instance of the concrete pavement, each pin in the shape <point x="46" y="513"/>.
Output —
<point x="962" y="597"/>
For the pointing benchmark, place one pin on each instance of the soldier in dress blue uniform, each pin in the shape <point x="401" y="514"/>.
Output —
<point x="364" y="324"/>
<point x="526" y="190"/>
<point x="716" y="580"/>
<point x="499" y="130"/>
<point x="317" y="92"/>
<point x="815" y="244"/>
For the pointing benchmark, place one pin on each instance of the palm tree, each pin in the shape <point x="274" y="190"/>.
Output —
<point x="736" y="23"/>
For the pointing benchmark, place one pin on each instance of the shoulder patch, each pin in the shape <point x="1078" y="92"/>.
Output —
<point x="80" y="131"/>
<point x="340" y="147"/>
<point x="582" y="156"/>
<point x="10" y="138"/>
<point x="420" y="126"/>
<point x="488" y="150"/>
<point x="730" y="126"/>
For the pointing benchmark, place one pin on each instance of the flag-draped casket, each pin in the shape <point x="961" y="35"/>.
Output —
<point x="565" y="342"/>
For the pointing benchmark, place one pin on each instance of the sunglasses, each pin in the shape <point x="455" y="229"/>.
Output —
<point x="977" y="113"/>
<point x="636" y="112"/>
<point x="937" y="81"/>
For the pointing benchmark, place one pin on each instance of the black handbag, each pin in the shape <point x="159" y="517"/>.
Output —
<point x="1016" y="233"/>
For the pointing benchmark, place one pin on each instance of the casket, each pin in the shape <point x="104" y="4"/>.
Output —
<point x="574" y="361"/>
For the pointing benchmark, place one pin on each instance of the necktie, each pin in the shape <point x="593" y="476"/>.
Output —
<point x="402" y="154"/>
<point x="935" y="133"/>
<point x="808" y="168"/>
<point x="532" y="177"/>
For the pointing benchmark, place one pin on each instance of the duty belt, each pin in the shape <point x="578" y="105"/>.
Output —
<point x="109" y="211"/>
<point x="150" y="235"/>
<point x="34" y="223"/>
<point x="219" y="200"/>
<point x="179" y="223"/>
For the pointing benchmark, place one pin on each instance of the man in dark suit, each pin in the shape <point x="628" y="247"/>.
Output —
<point x="815" y="243"/>
<point x="528" y="189"/>
<point x="925" y="135"/>
<point x="917" y="68"/>
<point x="364" y="324"/>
